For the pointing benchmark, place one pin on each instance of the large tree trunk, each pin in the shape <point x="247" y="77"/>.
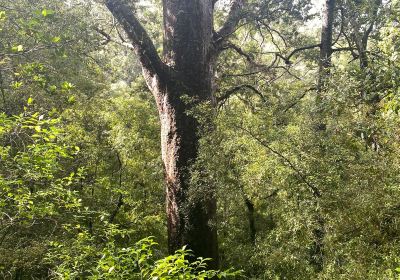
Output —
<point x="189" y="213"/>
<point x="191" y="48"/>
<point x="187" y="46"/>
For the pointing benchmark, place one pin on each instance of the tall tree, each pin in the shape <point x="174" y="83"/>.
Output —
<point x="328" y="15"/>
<point x="189" y="53"/>
<point x="325" y="62"/>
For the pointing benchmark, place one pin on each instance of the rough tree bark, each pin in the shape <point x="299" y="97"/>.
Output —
<point x="326" y="51"/>
<point x="191" y="47"/>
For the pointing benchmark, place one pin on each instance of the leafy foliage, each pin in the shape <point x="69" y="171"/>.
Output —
<point x="136" y="262"/>
<point x="35" y="190"/>
<point x="81" y="178"/>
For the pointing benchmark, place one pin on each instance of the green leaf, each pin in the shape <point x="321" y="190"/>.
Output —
<point x="18" y="48"/>
<point x="2" y="15"/>
<point x="67" y="85"/>
<point x="16" y="85"/>
<point x="30" y="100"/>
<point x="56" y="39"/>
<point x="71" y="99"/>
<point x="46" y="12"/>
<point x="53" y="88"/>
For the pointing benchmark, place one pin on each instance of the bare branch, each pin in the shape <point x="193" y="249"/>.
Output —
<point x="141" y="41"/>
<point x="350" y="49"/>
<point x="370" y="28"/>
<point x="272" y="30"/>
<point x="108" y="38"/>
<point x="231" y="22"/>
<point x="287" y="60"/>
<point x="235" y="89"/>
<point x="341" y="31"/>
<point x="349" y="42"/>
<point x="120" y="203"/>
<point x="249" y="57"/>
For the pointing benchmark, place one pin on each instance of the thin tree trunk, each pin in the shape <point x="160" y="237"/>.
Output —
<point x="317" y="249"/>
<point x="325" y="61"/>
<point x="251" y="219"/>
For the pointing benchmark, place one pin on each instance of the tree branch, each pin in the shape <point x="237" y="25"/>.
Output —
<point x="367" y="33"/>
<point x="235" y="89"/>
<point x="231" y="22"/>
<point x="108" y="39"/>
<point x="249" y="57"/>
<point x="350" y="49"/>
<point x="114" y="213"/>
<point x="314" y="190"/>
<point x="298" y="99"/>
<point x="142" y="43"/>
<point x="287" y="59"/>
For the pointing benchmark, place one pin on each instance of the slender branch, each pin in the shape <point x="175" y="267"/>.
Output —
<point x="235" y="89"/>
<point x="294" y="103"/>
<point x="364" y="40"/>
<point x="341" y="26"/>
<point x="350" y="49"/>
<point x="249" y="57"/>
<point x="287" y="60"/>
<point x="271" y="31"/>
<point x="258" y="68"/>
<point x="349" y="42"/>
<point x="367" y="33"/>
<point x="314" y="190"/>
<point x="108" y="39"/>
